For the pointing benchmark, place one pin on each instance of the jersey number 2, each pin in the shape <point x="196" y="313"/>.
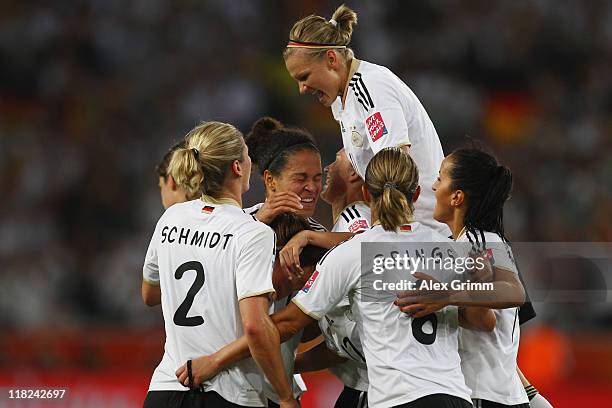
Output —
<point x="180" y="316"/>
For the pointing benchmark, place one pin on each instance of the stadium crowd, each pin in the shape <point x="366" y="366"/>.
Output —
<point x="92" y="95"/>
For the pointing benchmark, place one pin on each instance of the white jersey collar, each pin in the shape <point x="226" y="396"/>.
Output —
<point x="354" y="66"/>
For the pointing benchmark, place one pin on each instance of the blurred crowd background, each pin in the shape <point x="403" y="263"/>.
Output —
<point x="93" y="93"/>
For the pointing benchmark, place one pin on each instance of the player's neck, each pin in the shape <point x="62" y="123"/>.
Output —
<point x="337" y="206"/>
<point x="232" y="193"/>
<point x="456" y="225"/>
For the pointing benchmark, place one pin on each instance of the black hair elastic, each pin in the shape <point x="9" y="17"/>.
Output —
<point x="196" y="153"/>
<point x="189" y="374"/>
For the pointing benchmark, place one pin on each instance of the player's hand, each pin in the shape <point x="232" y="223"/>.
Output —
<point x="289" y="256"/>
<point x="279" y="203"/>
<point x="484" y="274"/>
<point x="292" y="403"/>
<point x="422" y="309"/>
<point x="202" y="368"/>
<point x="422" y="296"/>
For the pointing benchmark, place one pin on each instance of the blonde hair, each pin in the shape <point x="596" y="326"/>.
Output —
<point x="392" y="179"/>
<point x="318" y="30"/>
<point x="210" y="149"/>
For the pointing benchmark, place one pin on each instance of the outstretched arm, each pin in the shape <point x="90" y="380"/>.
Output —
<point x="288" y="321"/>
<point x="317" y="358"/>
<point x="263" y="342"/>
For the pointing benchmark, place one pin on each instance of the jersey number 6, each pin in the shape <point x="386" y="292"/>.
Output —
<point x="419" y="334"/>
<point x="180" y="316"/>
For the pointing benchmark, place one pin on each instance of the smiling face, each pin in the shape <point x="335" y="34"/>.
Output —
<point x="301" y="175"/>
<point x="336" y="181"/>
<point x="322" y="77"/>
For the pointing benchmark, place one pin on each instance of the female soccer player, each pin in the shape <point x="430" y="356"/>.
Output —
<point x="375" y="108"/>
<point x="170" y="192"/>
<point x="213" y="263"/>
<point x="411" y="362"/>
<point x="341" y="351"/>
<point x="470" y="194"/>
<point x="289" y="162"/>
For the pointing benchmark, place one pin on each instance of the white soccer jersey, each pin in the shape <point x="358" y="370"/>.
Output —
<point x="356" y="217"/>
<point x="406" y="358"/>
<point x="488" y="360"/>
<point x="288" y="348"/>
<point x="314" y="224"/>
<point x="207" y="256"/>
<point x="338" y="327"/>
<point x="381" y="111"/>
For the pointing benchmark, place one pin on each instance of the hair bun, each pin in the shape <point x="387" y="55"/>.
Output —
<point x="345" y="19"/>
<point x="265" y="125"/>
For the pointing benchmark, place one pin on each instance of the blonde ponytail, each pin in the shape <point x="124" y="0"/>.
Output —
<point x="345" y="19"/>
<point x="201" y="166"/>
<point x="392" y="179"/>
<point x="186" y="172"/>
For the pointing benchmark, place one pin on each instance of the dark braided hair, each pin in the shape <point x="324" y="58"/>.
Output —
<point x="487" y="185"/>
<point x="271" y="144"/>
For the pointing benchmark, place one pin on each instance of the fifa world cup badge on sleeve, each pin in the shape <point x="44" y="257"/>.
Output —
<point x="310" y="282"/>
<point x="376" y="126"/>
<point x="358" y="225"/>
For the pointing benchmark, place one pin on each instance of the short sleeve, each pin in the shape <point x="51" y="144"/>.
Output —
<point x="387" y="127"/>
<point x="150" y="269"/>
<point x="331" y="281"/>
<point x="255" y="263"/>
<point x="358" y="225"/>
<point x="500" y="255"/>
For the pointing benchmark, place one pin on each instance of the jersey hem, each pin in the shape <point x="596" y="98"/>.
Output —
<point x="253" y="294"/>
<point x="407" y="398"/>
<point x="501" y="399"/>
<point x="150" y="282"/>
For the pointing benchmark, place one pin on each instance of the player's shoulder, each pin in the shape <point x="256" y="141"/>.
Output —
<point x="478" y="235"/>
<point x="355" y="217"/>
<point x="180" y="210"/>
<point x="345" y="252"/>
<point x="374" y="85"/>
<point x="253" y="209"/>
<point x="376" y="76"/>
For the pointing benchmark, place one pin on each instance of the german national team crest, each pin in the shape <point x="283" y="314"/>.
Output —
<point x="310" y="282"/>
<point x="376" y="126"/>
<point x="356" y="139"/>
<point x="489" y="254"/>
<point x="208" y="209"/>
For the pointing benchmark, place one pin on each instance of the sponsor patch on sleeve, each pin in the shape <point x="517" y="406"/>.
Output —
<point x="376" y="126"/>
<point x="358" y="226"/>
<point x="310" y="281"/>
